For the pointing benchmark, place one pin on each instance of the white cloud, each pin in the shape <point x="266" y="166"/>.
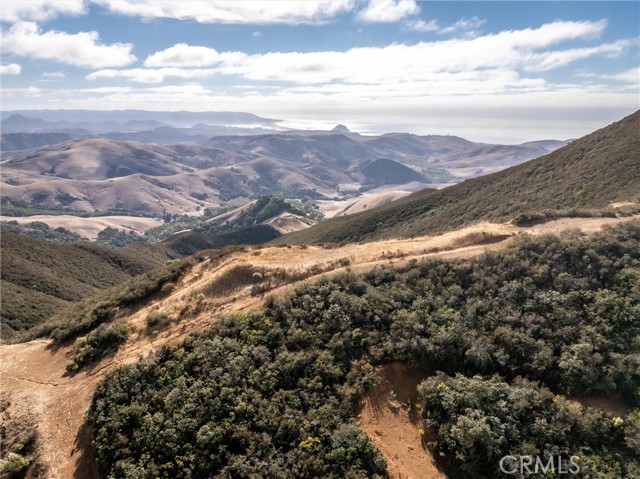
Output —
<point x="468" y="26"/>
<point x="183" y="55"/>
<point x="10" y="69"/>
<point x="151" y="75"/>
<point x="463" y="25"/>
<point x="257" y="33"/>
<point x="81" y="49"/>
<point x="54" y="75"/>
<point x="423" y="26"/>
<point x="509" y="50"/>
<point x="628" y="76"/>
<point x="555" y="59"/>
<point x="23" y="92"/>
<point x="39" y="10"/>
<point x="230" y="12"/>
<point x="387" y="11"/>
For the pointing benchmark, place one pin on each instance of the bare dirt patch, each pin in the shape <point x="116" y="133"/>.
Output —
<point x="613" y="404"/>
<point x="390" y="418"/>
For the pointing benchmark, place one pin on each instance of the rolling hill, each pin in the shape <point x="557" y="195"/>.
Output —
<point x="99" y="174"/>
<point x="96" y="173"/>
<point x="589" y="173"/>
<point x="40" y="277"/>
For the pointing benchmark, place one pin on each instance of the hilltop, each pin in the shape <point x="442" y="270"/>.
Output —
<point x="590" y="173"/>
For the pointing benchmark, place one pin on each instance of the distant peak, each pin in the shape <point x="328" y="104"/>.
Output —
<point x="341" y="129"/>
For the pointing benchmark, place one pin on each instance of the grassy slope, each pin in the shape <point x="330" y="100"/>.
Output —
<point x="591" y="172"/>
<point x="40" y="277"/>
<point x="191" y="242"/>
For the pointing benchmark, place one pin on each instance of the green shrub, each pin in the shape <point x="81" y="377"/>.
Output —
<point x="13" y="465"/>
<point x="158" y="318"/>
<point x="93" y="347"/>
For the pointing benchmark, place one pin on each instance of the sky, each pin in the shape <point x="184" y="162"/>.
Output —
<point x="503" y="72"/>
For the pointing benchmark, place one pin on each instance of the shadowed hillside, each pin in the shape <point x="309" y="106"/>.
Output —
<point x="40" y="277"/>
<point x="591" y="172"/>
<point x="389" y="172"/>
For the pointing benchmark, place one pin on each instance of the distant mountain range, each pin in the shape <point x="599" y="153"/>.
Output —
<point x="96" y="173"/>
<point x="590" y="173"/>
<point x="173" y="118"/>
<point x="99" y="174"/>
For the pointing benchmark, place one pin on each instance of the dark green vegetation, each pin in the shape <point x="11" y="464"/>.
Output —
<point x="479" y="420"/>
<point x="38" y="229"/>
<point x="92" y="347"/>
<point x="262" y="210"/>
<point x="273" y="393"/>
<point x="215" y="222"/>
<point x="176" y="223"/>
<point x="118" y="238"/>
<point x="39" y="277"/>
<point x="389" y="172"/>
<point x="15" y="207"/>
<point x="191" y="242"/>
<point x="83" y="316"/>
<point x="589" y="173"/>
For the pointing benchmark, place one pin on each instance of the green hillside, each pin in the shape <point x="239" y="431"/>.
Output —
<point x="190" y="242"/>
<point x="40" y="277"/>
<point x="589" y="173"/>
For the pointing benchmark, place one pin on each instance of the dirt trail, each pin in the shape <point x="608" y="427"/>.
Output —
<point x="394" y="426"/>
<point x="34" y="375"/>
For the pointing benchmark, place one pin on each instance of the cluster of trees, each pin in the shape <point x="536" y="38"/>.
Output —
<point x="111" y="236"/>
<point x="39" y="229"/>
<point x="264" y="209"/>
<point x="273" y="393"/>
<point x="17" y="207"/>
<point x="95" y="345"/>
<point x="478" y="420"/>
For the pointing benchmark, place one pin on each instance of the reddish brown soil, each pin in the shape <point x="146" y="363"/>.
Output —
<point x="389" y="417"/>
